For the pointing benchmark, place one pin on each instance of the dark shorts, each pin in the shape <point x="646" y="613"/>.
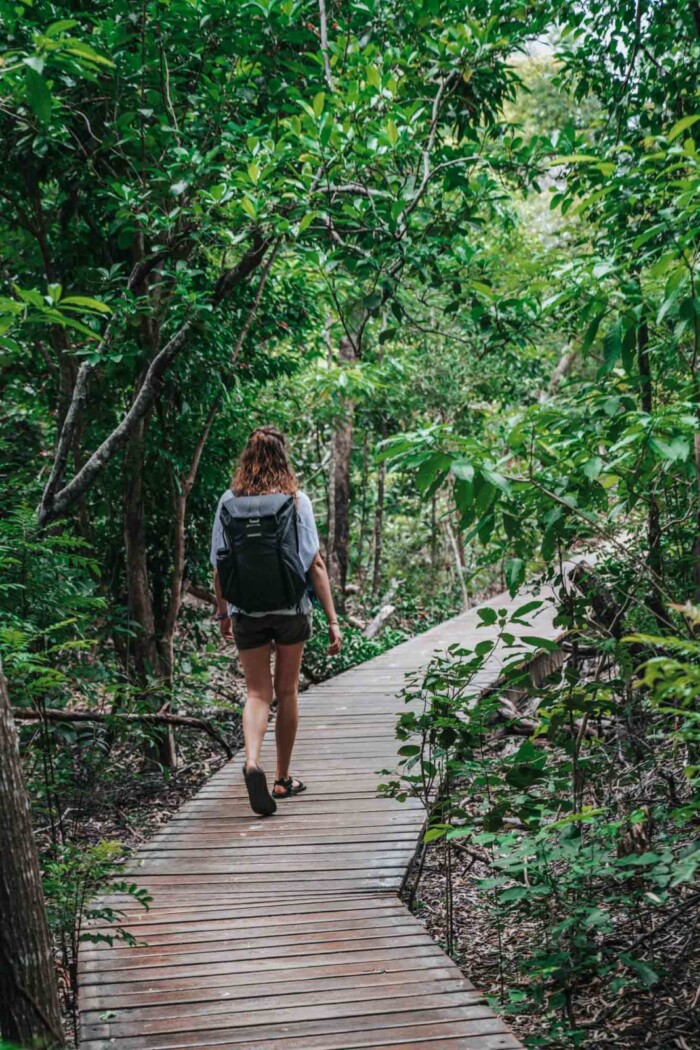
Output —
<point x="251" y="632"/>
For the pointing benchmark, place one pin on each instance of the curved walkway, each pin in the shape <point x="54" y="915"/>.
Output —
<point x="287" y="933"/>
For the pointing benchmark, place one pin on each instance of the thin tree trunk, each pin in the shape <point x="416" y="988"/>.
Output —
<point x="655" y="553"/>
<point x="340" y="554"/>
<point x="342" y="449"/>
<point x="696" y="545"/>
<point x="179" y="551"/>
<point x="459" y="537"/>
<point x="379" y="520"/>
<point x="363" y="510"/>
<point x="29" y="1007"/>
<point x="458" y="565"/>
<point x="330" y="517"/>
<point x="144" y="652"/>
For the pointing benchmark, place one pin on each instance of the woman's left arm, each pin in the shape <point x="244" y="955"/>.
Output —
<point x="318" y="575"/>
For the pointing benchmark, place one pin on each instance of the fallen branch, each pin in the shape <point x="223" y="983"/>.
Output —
<point x="202" y="594"/>
<point x="375" y="625"/>
<point x="50" y="714"/>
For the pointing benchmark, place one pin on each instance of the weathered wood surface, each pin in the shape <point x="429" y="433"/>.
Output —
<point x="288" y="932"/>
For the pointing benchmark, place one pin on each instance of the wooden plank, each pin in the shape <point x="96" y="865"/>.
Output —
<point x="166" y="981"/>
<point x="364" y="988"/>
<point x="245" y="1014"/>
<point x="265" y="1031"/>
<point x="296" y="945"/>
<point x="287" y="932"/>
<point x="404" y="966"/>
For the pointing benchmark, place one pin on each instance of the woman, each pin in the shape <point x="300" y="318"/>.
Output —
<point x="264" y="470"/>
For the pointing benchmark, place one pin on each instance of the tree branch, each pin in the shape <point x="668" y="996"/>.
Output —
<point x="256" y="301"/>
<point x="324" y="44"/>
<point x="56" y="506"/>
<point x="55" y="502"/>
<point x="50" y="714"/>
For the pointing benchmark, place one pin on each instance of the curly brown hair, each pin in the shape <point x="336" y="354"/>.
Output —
<point x="264" y="465"/>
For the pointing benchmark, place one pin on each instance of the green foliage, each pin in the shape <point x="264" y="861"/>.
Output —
<point x="73" y="877"/>
<point x="499" y="204"/>
<point x="589" y="873"/>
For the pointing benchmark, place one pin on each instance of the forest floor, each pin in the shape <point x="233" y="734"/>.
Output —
<point x="664" y="1017"/>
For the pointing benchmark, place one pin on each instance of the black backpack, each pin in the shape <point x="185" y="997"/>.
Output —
<point x="259" y="567"/>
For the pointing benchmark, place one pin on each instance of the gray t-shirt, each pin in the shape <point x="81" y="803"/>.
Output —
<point x="249" y="506"/>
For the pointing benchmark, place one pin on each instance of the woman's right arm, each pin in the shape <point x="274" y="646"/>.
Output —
<point x="222" y="610"/>
<point x="318" y="575"/>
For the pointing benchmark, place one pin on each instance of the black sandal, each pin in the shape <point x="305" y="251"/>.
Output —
<point x="291" y="787"/>
<point x="261" y="801"/>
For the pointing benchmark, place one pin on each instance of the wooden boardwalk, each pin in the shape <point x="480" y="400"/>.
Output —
<point x="287" y="933"/>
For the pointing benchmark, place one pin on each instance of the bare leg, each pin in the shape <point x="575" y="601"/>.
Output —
<point x="287" y="667"/>
<point x="256" y="713"/>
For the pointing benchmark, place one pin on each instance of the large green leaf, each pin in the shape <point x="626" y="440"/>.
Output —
<point x="38" y="95"/>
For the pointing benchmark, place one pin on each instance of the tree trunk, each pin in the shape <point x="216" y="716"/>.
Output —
<point x="144" y="654"/>
<point x="655" y="554"/>
<point x="458" y="560"/>
<point x="379" y="520"/>
<point x="363" y="509"/>
<point x="29" y="1008"/>
<point x="696" y="545"/>
<point x="330" y="499"/>
<point x="342" y="449"/>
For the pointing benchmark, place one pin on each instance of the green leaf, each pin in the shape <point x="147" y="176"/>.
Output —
<point x="575" y="158"/>
<point x="487" y="616"/>
<point x="612" y="346"/>
<point x="681" y="125"/>
<point x="540" y="643"/>
<point x="392" y="132"/>
<point x="306" y="221"/>
<point x="86" y="303"/>
<point x="593" y="467"/>
<point x="57" y="28"/>
<point x="646" y="974"/>
<point x="591" y="332"/>
<point x="515" y="574"/>
<point x="549" y="544"/>
<point x="318" y="103"/>
<point x="678" y="449"/>
<point x="524" y="610"/>
<point x="29" y="295"/>
<point x="497" y="480"/>
<point x="83" y="50"/>
<point x="485" y="289"/>
<point x="437" y="832"/>
<point x="38" y="95"/>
